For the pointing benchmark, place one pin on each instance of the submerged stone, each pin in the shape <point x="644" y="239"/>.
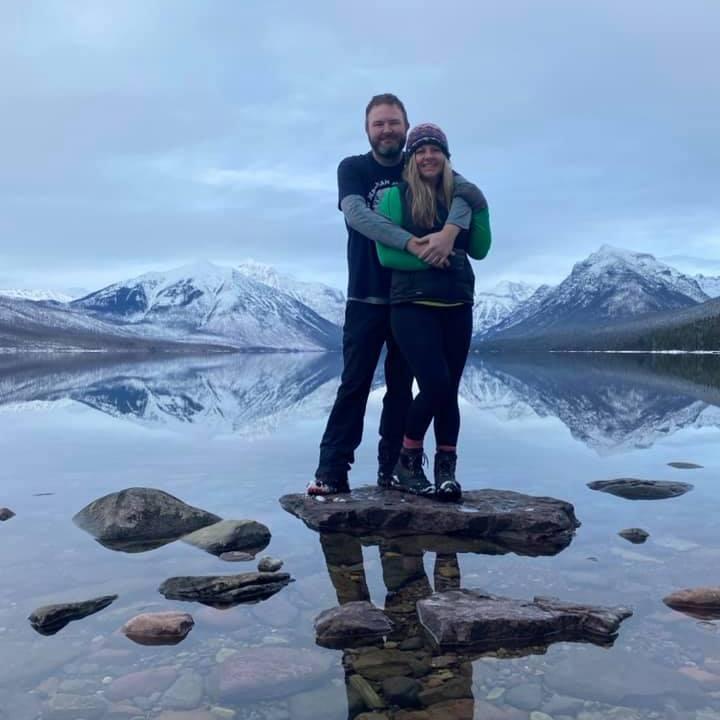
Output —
<point x="702" y="603"/>
<point x="634" y="489"/>
<point x="49" y="619"/>
<point x="225" y="590"/>
<point x="634" y="535"/>
<point x="162" y="628"/>
<point x="475" y="620"/>
<point x="230" y="536"/>
<point x="508" y="520"/>
<point x="139" y="519"/>
<point x="6" y="514"/>
<point x="267" y="673"/>
<point x="351" y="624"/>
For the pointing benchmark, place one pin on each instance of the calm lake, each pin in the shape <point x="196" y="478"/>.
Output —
<point x="231" y="434"/>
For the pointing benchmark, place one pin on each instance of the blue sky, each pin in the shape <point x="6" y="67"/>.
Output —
<point x="142" y="135"/>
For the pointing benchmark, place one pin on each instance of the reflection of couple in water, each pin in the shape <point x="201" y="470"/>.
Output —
<point x="412" y="225"/>
<point x="403" y="671"/>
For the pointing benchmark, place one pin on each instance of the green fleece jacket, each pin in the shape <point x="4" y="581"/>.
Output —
<point x="391" y="206"/>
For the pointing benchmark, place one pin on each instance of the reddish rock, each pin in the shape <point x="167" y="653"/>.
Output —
<point x="708" y="679"/>
<point x="700" y="602"/>
<point x="266" y="673"/>
<point x="141" y="684"/>
<point x="163" y="628"/>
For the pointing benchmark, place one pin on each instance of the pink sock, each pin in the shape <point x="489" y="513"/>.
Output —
<point x="447" y="448"/>
<point x="410" y="444"/>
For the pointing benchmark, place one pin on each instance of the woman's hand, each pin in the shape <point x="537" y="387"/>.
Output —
<point x="439" y="246"/>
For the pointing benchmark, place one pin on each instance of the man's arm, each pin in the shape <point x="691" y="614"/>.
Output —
<point x="372" y="225"/>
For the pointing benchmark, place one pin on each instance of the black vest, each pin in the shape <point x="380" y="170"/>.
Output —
<point x="454" y="284"/>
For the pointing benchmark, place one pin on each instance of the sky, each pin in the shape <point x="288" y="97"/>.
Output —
<point x="140" y="135"/>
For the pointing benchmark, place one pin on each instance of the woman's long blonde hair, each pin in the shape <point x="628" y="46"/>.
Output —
<point x="424" y="197"/>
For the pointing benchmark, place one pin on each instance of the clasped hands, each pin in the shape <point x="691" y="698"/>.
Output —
<point x="435" y="248"/>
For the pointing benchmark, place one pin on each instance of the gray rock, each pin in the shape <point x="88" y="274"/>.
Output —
<point x="63" y="706"/>
<point x="351" y="625"/>
<point x="526" y="696"/>
<point x="324" y="703"/>
<point x="269" y="564"/>
<point x="49" y="619"/>
<point x="701" y="602"/>
<point x="225" y="590"/>
<point x="6" y="514"/>
<point x="684" y="465"/>
<point x="474" y="620"/>
<point x="402" y="691"/>
<point x="186" y="693"/>
<point x="522" y="523"/>
<point x="230" y="536"/>
<point x="164" y="628"/>
<point x="636" y="536"/>
<point x="139" y="519"/>
<point x="266" y="673"/>
<point x="634" y="489"/>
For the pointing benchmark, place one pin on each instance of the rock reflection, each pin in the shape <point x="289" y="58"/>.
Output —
<point x="405" y="674"/>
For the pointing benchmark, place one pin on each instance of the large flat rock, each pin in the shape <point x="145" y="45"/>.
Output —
<point x="475" y="620"/>
<point x="508" y="520"/>
<point x="49" y="619"/>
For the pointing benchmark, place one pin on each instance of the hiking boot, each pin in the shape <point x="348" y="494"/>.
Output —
<point x="387" y="459"/>
<point x="410" y="476"/>
<point x="446" y="486"/>
<point x="329" y="483"/>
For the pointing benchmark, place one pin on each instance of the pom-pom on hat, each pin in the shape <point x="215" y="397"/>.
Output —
<point x="427" y="134"/>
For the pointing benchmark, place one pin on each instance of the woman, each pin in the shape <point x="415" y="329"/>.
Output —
<point x="431" y="308"/>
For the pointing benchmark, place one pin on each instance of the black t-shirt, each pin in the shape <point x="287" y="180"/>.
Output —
<point x="363" y="175"/>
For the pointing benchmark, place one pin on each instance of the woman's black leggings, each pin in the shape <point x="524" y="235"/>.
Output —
<point x="435" y="342"/>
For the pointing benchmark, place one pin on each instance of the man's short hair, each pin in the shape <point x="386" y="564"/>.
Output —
<point x="386" y="99"/>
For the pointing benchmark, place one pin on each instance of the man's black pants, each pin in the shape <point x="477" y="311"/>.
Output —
<point x="366" y="330"/>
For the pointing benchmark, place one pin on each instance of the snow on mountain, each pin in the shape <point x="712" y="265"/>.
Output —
<point x="710" y="285"/>
<point x="493" y="305"/>
<point x="206" y="302"/>
<point x="610" y="285"/>
<point x="37" y="295"/>
<point x="326" y="301"/>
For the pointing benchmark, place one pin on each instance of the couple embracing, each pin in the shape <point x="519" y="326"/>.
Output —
<point x="412" y="225"/>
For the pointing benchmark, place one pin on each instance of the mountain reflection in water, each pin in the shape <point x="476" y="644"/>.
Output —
<point x="610" y="403"/>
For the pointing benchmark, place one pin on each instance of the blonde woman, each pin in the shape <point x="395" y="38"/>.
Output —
<point x="431" y="308"/>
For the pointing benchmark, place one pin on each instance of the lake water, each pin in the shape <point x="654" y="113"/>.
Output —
<point x="231" y="434"/>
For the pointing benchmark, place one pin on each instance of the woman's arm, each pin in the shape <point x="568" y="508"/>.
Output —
<point x="393" y="258"/>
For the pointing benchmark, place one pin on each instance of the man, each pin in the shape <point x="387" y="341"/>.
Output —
<point x="361" y="181"/>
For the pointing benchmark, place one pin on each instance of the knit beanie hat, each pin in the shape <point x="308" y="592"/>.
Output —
<point x="427" y="134"/>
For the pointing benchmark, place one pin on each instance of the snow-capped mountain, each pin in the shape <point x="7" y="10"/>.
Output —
<point x="37" y="295"/>
<point x="204" y="302"/>
<point x="710" y="285"/>
<point x="493" y="305"/>
<point x="611" y="285"/>
<point x="326" y="301"/>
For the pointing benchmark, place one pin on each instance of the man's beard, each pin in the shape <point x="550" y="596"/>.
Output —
<point x="389" y="150"/>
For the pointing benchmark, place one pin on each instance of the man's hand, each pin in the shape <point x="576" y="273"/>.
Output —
<point x="439" y="246"/>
